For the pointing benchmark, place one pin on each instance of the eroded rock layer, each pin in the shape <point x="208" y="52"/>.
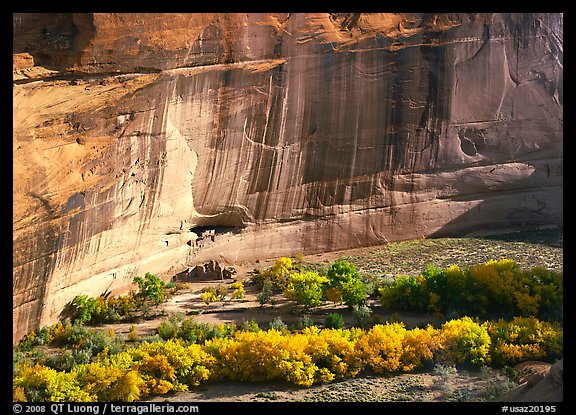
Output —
<point x="299" y="132"/>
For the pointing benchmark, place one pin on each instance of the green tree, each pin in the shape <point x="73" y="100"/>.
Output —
<point x="343" y="277"/>
<point x="150" y="288"/>
<point x="306" y="288"/>
<point x="84" y="307"/>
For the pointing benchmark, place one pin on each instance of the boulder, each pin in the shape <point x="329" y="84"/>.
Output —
<point x="544" y="385"/>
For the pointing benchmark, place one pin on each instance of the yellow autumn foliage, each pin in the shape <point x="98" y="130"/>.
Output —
<point x="312" y="355"/>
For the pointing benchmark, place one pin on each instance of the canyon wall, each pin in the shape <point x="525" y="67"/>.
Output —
<point x="285" y="132"/>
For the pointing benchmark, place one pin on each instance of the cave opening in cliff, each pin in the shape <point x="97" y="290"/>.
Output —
<point x="218" y="229"/>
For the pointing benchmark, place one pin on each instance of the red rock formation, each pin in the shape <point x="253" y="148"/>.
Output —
<point x="543" y="385"/>
<point x="310" y="132"/>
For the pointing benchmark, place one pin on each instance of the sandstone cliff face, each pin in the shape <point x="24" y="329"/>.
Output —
<point x="303" y="132"/>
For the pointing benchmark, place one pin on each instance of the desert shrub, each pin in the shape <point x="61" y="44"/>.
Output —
<point x="236" y="356"/>
<point x="83" y="307"/>
<point x="341" y="271"/>
<point x="280" y="271"/>
<point x="102" y="309"/>
<point x="333" y="352"/>
<point x="43" y="336"/>
<point x="278" y="324"/>
<point x="112" y="379"/>
<point x="548" y="287"/>
<point x="276" y="275"/>
<point x="171" y="365"/>
<point x="195" y="332"/>
<point x="92" y="341"/>
<point x="458" y="292"/>
<point x="391" y="348"/>
<point x="79" y="344"/>
<point x="523" y="338"/>
<point x="446" y="382"/>
<point x="463" y="341"/>
<point x="497" y="383"/>
<point x="18" y="394"/>
<point x="432" y="281"/>
<point x="221" y="291"/>
<point x="362" y="314"/>
<point x="56" y="334"/>
<point x="123" y="306"/>
<point x="308" y="267"/>
<point x="419" y="346"/>
<point x="212" y="293"/>
<point x="77" y="335"/>
<point x="333" y="294"/>
<point x="43" y="384"/>
<point x="168" y="329"/>
<point x="133" y="333"/>
<point x="495" y="285"/>
<point x="68" y="359"/>
<point x="249" y="325"/>
<point x="300" y="257"/>
<point x="305" y="321"/>
<point x="190" y="331"/>
<point x="354" y="292"/>
<point x="334" y="321"/>
<point x="27" y="342"/>
<point x="407" y="293"/>
<point x="209" y="297"/>
<point x="239" y="291"/>
<point x="303" y="358"/>
<point x="266" y="293"/>
<point x="300" y="358"/>
<point x="306" y="288"/>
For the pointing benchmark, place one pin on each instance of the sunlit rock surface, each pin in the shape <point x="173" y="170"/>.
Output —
<point x="286" y="133"/>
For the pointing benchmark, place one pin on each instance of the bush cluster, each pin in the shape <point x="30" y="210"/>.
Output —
<point x="211" y="294"/>
<point x="79" y="343"/>
<point x="276" y="276"/>
<point x="189" y="330"/>
<point x="102" y="309"/>
<point x="105" y="308"/>
<point x="341" y="283"/>
<point x="303" y="358"/>
<point x="493" y="288"/>
<point x="97" y="366"/>
<point x="151" y="368"/>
